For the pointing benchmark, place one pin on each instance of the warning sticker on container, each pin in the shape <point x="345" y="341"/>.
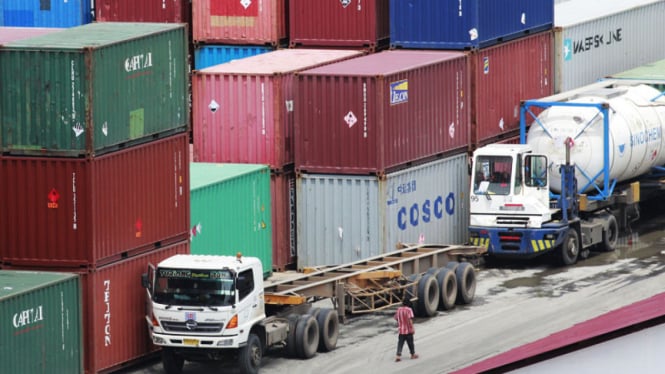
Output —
<point x="451" y="130"/>
<point x="350" y="119"/>
<point x="213" y="106"/>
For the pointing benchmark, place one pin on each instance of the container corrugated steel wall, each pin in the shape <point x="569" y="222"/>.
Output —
<point x="283" y="195"/>
<point x="87" y="212"/>
<point x="239" y="22"/>
<point x="382" y="111"/>
<point x="346" y="218"/>
<point x="458" y="24"/>
<point x="594" y="40"/>
<point x="209" y="55"/>
<point x="173" y="11"/>
<point x="504" y="75"/>
<point x="339" y="23"/>
<point x="93" y="88"/>
<point x="115" y="333"/>
<point x="10" y="34"/>
<point x="231" y="211"/>
<point x="32" y="13"/>
<point x="243" y="110"/>
<point x="41" y="318"/>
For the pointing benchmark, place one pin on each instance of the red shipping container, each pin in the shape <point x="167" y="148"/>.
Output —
<point x="115" y="333"/>
<point x="339" y="23"/>
<point x="11" y="34"/>
<point x="283" y="195"/>
<point x="170" y="11"/>
<point x="239" y="22"/>
<point x="381" y="112"/>
<point x="243" y="110"/>
<point x="504" y="75"/>
<point x="87" y="212"/>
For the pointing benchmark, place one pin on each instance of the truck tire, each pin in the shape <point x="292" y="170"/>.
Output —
<point x="328" y="321"/>
<point x="447" y="288"/>
<point x="428" y="296"/>
<point x="452" y="265"/>
<point x="611" y="234"/>
<point x="307" y="336"/>
<point x="171" y="362"/>
<point x="291" y="350"/>
<point x="569" y="250"/>
<point x="249" y="359"/>
<point x="466" y="283"/>
<point x="314" y="312"/>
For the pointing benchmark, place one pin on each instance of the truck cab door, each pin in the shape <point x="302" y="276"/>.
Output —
<point x="148" y="281"/>
<point x="250" y="304"/>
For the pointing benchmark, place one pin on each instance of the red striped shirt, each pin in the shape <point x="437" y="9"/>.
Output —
<point x="404" y="315"/>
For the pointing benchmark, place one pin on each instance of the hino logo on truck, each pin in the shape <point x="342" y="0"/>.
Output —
<point x="138" y="62"/>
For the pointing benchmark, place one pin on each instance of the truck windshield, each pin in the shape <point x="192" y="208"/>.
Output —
<point x="194" y="287"/>
<point x="492" y="175"/>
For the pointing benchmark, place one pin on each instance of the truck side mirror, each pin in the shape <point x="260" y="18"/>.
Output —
<point x="144" y="280"/>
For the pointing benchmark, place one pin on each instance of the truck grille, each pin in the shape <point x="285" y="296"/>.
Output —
<point x="209" y="328"/>
<point x="512" y="221"/>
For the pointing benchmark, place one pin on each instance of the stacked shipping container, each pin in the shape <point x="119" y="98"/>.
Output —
<point x="231" y="211"/>
<point x="597" y="39"/>
<point x="364" y="24"/>
<point x="28" y="13"/>
<point x="95" y="169"/>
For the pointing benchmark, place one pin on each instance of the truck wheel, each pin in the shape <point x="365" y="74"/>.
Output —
<point x="251" y="355"/>
<point x="428" y="296"/>
<point x="328" y="321"/>
<point x="447" y="288"/>
<point x="452" y="265"/>
<point x="172" y="362"/>
<point x="307" y="336"/>
<point x="570" y="248"/>
<point x="291" y="350"/>
<point x="611" y="234"/>
<point x="314" y="312"/>
<point x="466" y="283"/>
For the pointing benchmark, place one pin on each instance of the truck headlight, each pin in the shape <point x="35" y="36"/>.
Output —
<point x="158" y="340"/>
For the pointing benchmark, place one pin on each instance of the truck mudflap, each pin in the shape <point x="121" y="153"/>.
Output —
<point x="517" y="242"/>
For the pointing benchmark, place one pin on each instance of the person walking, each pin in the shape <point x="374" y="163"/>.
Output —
<point x="405" y="329"/>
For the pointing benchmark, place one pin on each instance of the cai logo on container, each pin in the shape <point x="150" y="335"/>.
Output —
<point x="399" y="92"/>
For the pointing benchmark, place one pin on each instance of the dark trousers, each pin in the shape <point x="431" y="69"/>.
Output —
<point x="408" y="338"/>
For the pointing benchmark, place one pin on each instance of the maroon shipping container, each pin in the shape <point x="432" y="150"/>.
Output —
<point x="12" y="34"/>
<point x="115" y="333"/>
<point x="170" y="11"/>
<point x="339" y="23"/>
<point x="382" y="111"/>
<point x="504" y="75"/>
<point x="239" y="22"/>
<point x="283" y="195"/>
<point x="88" y="212"/>
<point x="242" y="110"/>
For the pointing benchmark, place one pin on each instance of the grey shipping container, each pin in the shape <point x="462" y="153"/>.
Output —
<point x="41" y="328"/>
<point x="594" y="39"/>
<point x="93" y="88"/>
<point x="344" y="218"/>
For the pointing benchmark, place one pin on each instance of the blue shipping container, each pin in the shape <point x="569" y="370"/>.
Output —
<point x="49" y="13"/>
<point x="209" y="55"/>
<point x="465" y="24"/>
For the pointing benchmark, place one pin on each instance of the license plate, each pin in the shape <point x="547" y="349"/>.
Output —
<point x="192" y="342"/>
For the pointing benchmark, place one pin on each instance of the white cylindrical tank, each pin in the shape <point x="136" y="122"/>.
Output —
<point x="636" y="141"/>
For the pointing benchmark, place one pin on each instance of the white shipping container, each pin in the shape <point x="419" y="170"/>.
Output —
<point x="345" y="218"/>
<point x="594" y="39"/>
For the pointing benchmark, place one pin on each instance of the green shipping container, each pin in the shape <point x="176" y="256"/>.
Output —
<point x="93" y="88"/>
<point x="41" y="322"/>
<point x="652" y="73"/>
<point x="231" y="211"/>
